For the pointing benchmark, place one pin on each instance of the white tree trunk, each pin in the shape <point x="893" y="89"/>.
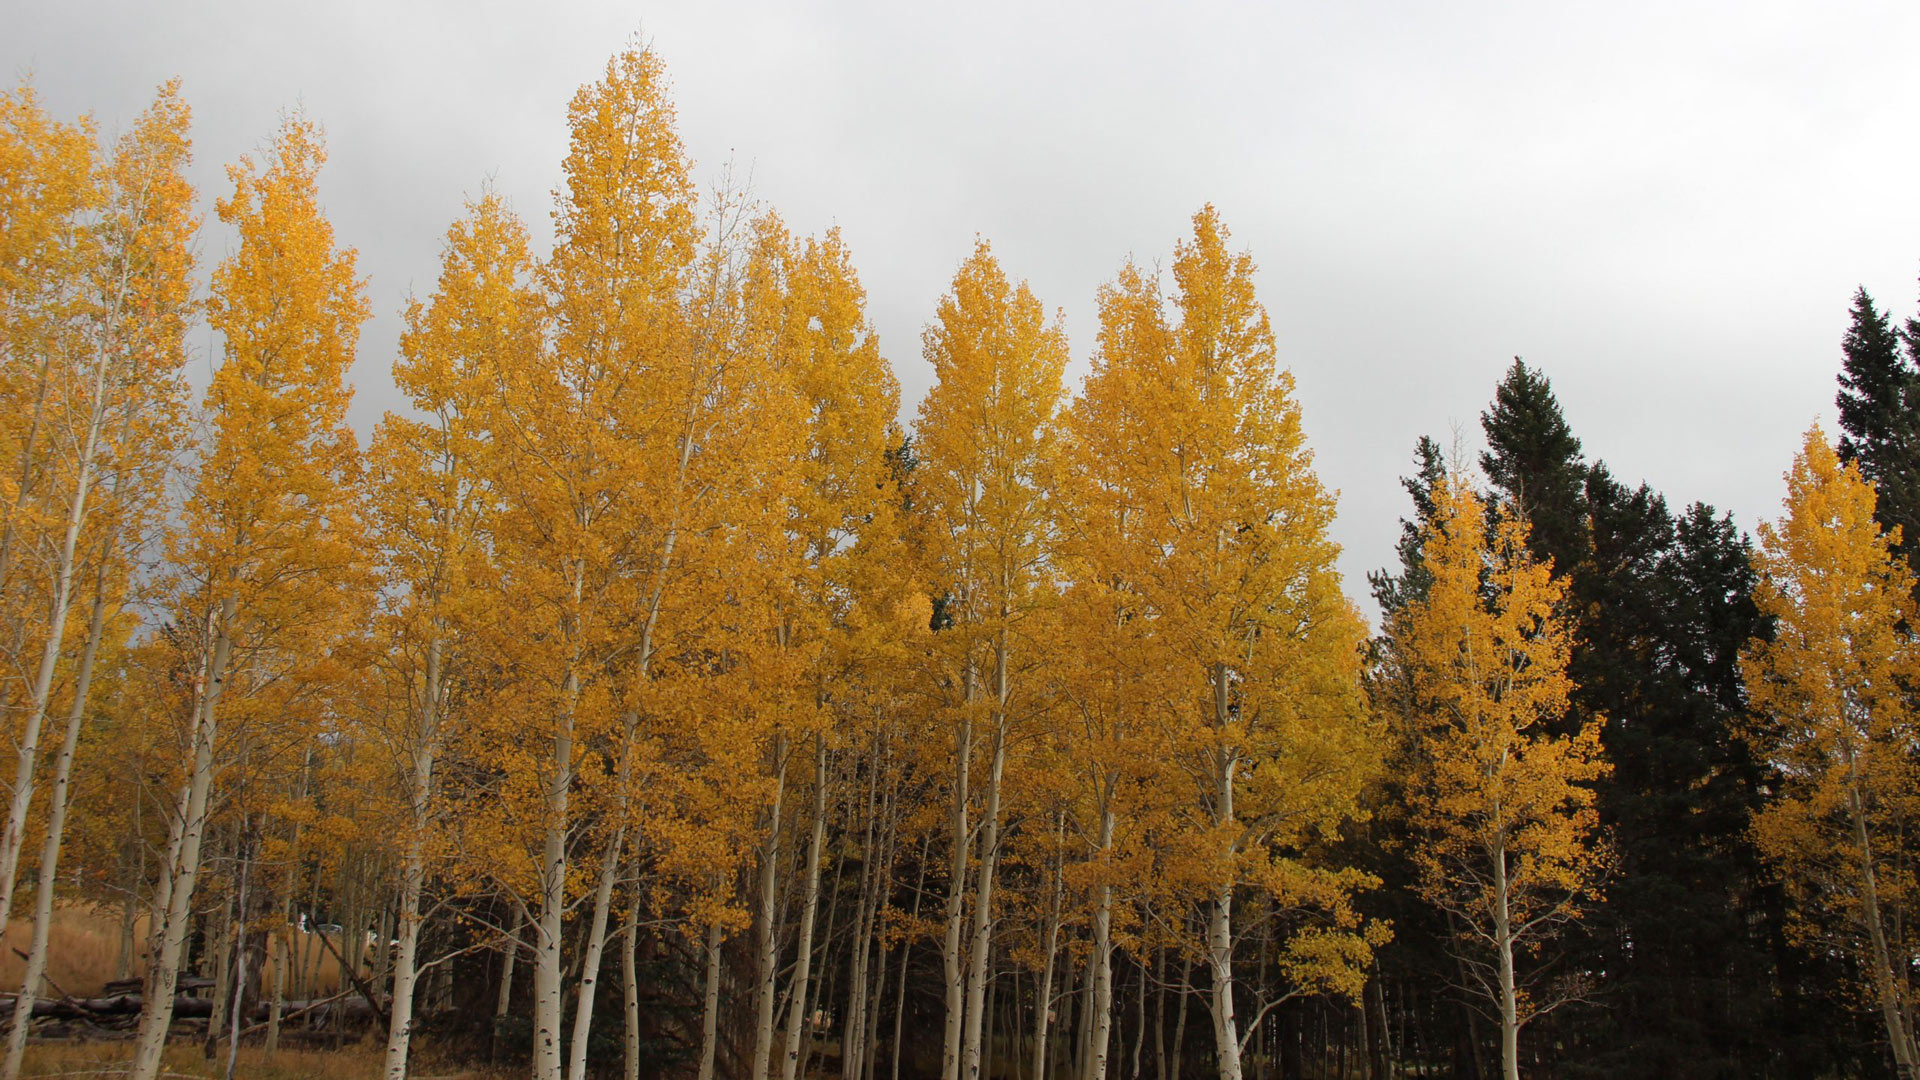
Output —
<point x="1503" y="945"/>
<point x="803" y="965"/>
<point x="766" y="943"/>
<point x="1102" y="961"/>
<point x="977" y="974"/>
<point x="56" y="828"/>
<point x="595" y="954"/>
<point x="1043" y="1001"/>
<point x="957" y="887"/>
<point x="413" y="871"/>
<point x="630" y="982"/>
<point x="170" y="933"/>
<point x="13" y="834"/>
<point x="710" y="1005"/>
<point x="547" y="1006"/>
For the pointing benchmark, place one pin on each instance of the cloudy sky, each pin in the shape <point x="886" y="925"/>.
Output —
<point x="1665" y="206"/>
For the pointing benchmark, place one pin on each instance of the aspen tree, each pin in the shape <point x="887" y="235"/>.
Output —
<point x="141" y="304"/>
<point x="46" y="252"/>
<point x="1834" y="724"/>
<point x="574" y="439"/>
<point x="483" y="317"/>
<point x="1510" y="845"/>
<point x="984" y="439"/>
<point x="55" y="370"/>
<point x="1113" y="664"/>
<point x="268" y="551"/>
<point x="1207" y="511"/>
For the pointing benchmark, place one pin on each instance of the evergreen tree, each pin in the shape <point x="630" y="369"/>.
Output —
<point x="1879" y="402"/>
<point x="1393" y="591"/>
<point x="1533" y="463"/>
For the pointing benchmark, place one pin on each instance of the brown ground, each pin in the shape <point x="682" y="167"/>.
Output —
<point x="103" y="1060"/>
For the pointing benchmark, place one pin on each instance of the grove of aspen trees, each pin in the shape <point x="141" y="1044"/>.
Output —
<point x="651" y="697"/>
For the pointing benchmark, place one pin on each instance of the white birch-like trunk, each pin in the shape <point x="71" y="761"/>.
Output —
<point x="13" y="834"/>
<point x="504" y="1001"/>
<point x="630" y="982"/>
<point x="1503" y="946"/>
<point x="1906" y="1057"/>
<point x="977" y="973"/>
<point x="950" y="946"/>
<point x="1226" y="1027"/>
<point x="1102" y="961"/>
<point x="710" y="1005"/>
<point x="1043" y="1001"/>
<point x="766" y="944"/>
<point x="169" y="934"/>
<point x="547" y="1006"/>
<point x="56" y="828"/>
<point x="803" y="964"/>
<point x="595" y="953"/>
<point x="413" y="872"/>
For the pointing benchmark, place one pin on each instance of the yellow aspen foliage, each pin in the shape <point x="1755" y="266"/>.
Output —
<point x="269" y="553"/>
<point x="1206" y="588"/>
<point x="985" y="441"/>
<point x="1510" y="839"/>
<point x="429" y="506"/>
<point x="1835" y="726"/>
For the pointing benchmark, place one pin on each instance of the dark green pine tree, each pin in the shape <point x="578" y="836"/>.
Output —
<point x="1392" y="591"/>
<point x="1879" y="404"/>
<point x="1533" y="462"/>
<point x="1690" y="936"/>
<point x="1416" y="984"/>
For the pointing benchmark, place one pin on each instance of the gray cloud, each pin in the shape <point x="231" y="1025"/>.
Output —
<point x="1664" y="206"/>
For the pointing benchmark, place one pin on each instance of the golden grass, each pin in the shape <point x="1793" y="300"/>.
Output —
<point x="83" y="953"/>
<point x="83" y="948"/>
<point x="360" y="1061"/>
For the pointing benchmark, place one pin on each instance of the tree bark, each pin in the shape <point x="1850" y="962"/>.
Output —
<point x="170" y="935"/>
<point x="803" y="963"/>
<point x="710" y="1005"/>
<point x="56" y="828"/>
<point x="414" y="870"/>
<point x="766" y="942"/>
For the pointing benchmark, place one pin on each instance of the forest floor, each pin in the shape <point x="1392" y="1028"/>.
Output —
<point x="184" y="1060"/>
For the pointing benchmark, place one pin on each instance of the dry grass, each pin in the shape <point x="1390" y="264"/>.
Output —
<point x="83" y="948"/>
<point x="83" y="953"/>
<point x="356" y="1062"/>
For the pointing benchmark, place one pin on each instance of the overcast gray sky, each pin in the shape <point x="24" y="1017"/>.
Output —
<point x="1664" y="206"/>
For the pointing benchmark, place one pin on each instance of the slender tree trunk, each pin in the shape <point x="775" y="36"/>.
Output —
<point x="852" y="1054"/>
<point x="169" y="934"/>
<point x="1043" y="1001"/>
<point x="1906" y="1058"/>
<point x="238" y="1009"/>
<point x="413" y="871"/>
<point x="1503" y="943"/>
<point x="547" y="941"/>
<point x="1226" y="1030"/>
<point x="710" y="1005"/>
<point x="766" y="942"/>
<point x="1140" y="1022"/>
<point x="1180" y="1021"/>
<point x="957" y="889"/>
<point x="594" y="953"/>
<point x="277" y="960"/>
<point x="13" y="835"/>
<point x="803" y="964"/>
<point x="56" y="828"/>
<point x="989" y="862"/>
<point x="906" y="956"/>
<point x="1101" y="960"/>
<point x="630" y="979"/>
<point x="511" y="951"/>
<point x="1160" y="1013"/>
